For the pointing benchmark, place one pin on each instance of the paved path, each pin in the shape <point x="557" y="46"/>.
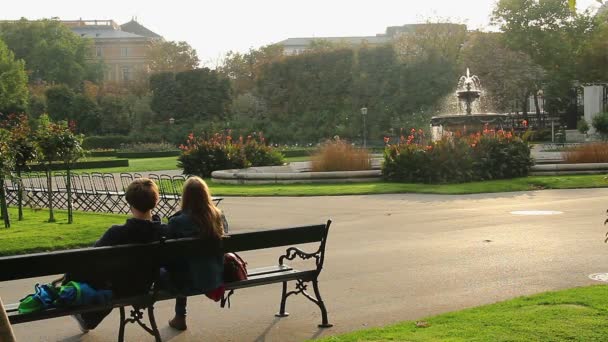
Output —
<point x="390" y="258"/>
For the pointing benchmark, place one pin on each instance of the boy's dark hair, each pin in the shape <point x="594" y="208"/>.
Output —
<point x="142" y="194"/>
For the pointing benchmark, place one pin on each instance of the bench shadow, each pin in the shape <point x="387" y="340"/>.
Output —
<point x="74" y="338"/>
<point x="264" y="334"/>
<point x="167" y="333"/>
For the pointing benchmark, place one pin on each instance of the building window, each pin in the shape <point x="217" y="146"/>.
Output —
<point x="126" y="73"/>
<point x="124" y="51"/>
<point x="99" y="51"/>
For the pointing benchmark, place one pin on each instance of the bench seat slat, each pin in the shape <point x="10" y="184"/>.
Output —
<point x="267" y="270"/>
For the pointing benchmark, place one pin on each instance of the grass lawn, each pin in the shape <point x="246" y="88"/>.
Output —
<point x="577" y="314"/>
<point x="518" y="184"/>
<point x="35" y="234"/>
<point x="138" y="165"/>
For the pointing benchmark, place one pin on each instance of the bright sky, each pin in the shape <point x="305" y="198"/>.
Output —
<point x="215" y="27"/>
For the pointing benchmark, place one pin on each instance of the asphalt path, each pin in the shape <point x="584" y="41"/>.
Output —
<point x="389" y="258"/>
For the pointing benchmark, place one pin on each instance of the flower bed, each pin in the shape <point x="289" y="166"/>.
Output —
<point x="482" y="156"/>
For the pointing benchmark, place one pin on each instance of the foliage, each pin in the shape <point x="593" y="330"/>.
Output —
<point x="116" y="114"/>
<point x="201" y="155"/>
<point x="169" y="56"/>
<point x="587" y="153"/>
<point x="600" y="123"/>
<point x="509" y="77"/>
<point x="339" y="155"/>
<point x="13" y="82"/>
<point x="482" y="156"/>
<point x="7" y="156"/>
<point x="193" y="95"/>
<point x="51" y="51"/>
<point x="21" y="140"/>
<point x="105" y="141"/>
<point x="147" y="147"/>
<point x="552" y="35"/>
<point x="582" y="126"/>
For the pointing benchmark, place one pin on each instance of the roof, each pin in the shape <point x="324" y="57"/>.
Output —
<point x="100" y="33"/>
<point x="347" y="40"/>
<point x="138" y="29"/>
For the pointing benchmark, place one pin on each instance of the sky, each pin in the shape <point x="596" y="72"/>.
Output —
<point x="216" y="27"/>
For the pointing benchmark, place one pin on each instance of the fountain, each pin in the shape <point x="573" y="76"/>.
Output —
<point x="468" y="120"/>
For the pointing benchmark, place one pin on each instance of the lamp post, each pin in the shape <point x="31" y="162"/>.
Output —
<point x="364" y="114"/>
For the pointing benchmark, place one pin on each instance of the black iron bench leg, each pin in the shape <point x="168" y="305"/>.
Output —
<point x="319" y="302"/>
<point x="152" y="320"/>
<point x="136" y="317"/>
<point x="123" y="322"/>
<point x="284" y="295"/>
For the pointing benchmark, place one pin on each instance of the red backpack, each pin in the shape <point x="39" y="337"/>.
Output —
<point x="235" y="269"/>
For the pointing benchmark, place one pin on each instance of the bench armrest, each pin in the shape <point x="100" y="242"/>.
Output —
<point x="293" y="252"/>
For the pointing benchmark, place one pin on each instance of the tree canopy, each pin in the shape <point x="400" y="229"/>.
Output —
<point x="169" y="56"/>
<point x="13" y="82"/>
<point x="51" y="51"/>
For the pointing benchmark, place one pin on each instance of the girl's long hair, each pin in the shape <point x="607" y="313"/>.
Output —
<point x="196" y="201"/>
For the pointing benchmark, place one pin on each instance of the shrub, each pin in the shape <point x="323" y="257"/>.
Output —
<point x="488" y="155"/>
<point x="201" y="156"/>
<point x="582" y="126"/>
<point x="147" y="147"/>
<point x="105" y="142"/>
<point x="600" y="123"/>
<point x="340" y="156"/>
<point x="587" y="153"/>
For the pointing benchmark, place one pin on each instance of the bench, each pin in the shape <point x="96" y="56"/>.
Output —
<point x="108" y="260"/>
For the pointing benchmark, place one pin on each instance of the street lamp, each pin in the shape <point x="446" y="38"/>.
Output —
<point x="364" y="114"/>
<point x="171" y="121"/>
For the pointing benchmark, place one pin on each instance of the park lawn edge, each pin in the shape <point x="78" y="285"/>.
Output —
<point x="576" y="314"/>
<point x="530" y="183"/>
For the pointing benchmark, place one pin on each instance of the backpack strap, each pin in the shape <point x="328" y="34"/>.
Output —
<point x="226" y="299"/>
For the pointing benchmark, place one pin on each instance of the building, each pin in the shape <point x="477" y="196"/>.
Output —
<point x="294" y="46"/>
<point x="122" y="48"/>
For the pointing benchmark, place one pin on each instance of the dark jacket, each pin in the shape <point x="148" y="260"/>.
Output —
<point x="200" y="274"/>
<point x="132" y="281"/>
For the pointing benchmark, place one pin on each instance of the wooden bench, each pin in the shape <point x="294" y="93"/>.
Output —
<point x="108" y="260"/>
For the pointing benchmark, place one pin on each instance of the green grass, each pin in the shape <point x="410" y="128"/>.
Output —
<point x="517" y="184"/>
<point x="577" y="314"/>
<point x="35" y="234"/>
<point x="139" y="165"/>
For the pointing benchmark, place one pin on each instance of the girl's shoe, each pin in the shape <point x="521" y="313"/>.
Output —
<point x="178" y="323"/>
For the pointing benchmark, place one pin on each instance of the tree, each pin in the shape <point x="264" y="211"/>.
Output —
<point x="245" y="69"/>
<point x="51" y="51"/>
<point x="115" y="114"/>
<point x="69" y="150"/>
<point x="48" y="152"/>
<point x="13" y="82"/>
<point x="22" y="144"/>
<point x="6" y="165"/>
<point x="59" y="102"/>
<point x="551" y="34"/>
<point x="508" y="77"/>
<point x="169" y="56"/>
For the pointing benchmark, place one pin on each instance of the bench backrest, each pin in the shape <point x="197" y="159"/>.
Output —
<point x="110" y="260"/>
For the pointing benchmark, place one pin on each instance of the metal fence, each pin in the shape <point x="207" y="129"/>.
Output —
<point x="93" y="192"/>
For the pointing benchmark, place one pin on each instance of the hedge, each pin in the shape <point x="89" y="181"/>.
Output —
<point x="106" y="141"/>
<point x="158" y="154"/>
<point x="110" y="153"/>
<point x="100" y="164"/>
<point x="296" y="153"/>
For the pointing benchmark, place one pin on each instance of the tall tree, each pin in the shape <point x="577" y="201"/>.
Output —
<point x="551" y="34"/>
<point x="51" y="51"/>
<point x="13" y="82"/>
<point x="169" y="56"/>
<point x="508" y="77"/>
<point x="244" y="69"/>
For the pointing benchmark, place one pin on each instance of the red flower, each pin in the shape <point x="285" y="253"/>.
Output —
<point x="387" y="140"/>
